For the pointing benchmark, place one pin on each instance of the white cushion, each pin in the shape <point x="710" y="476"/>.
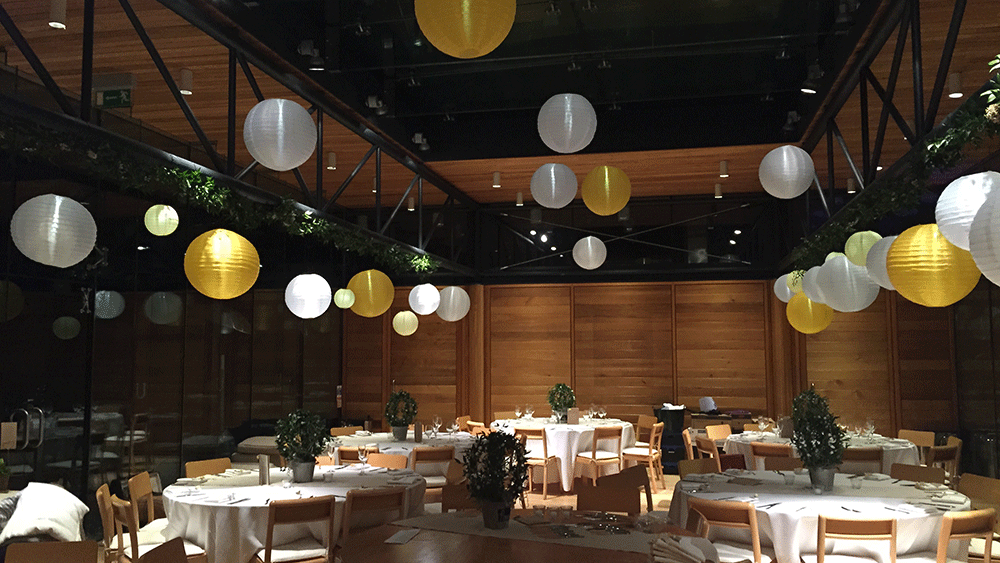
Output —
<point x="150" y="534"/>
<point x="189" y="549"/>
<point x="642" y="444"/>
<point x="977" y="548"/>
<point x="844" y="559"/>
<point x="924" y="557"/>
<point x="732" y="552"/>
<point x="46" y="509"/>
<point x="600" y="455"/>
<point x="435" y="481"/>
<point x="304" y="548"/>
<point x="637" y="451"/>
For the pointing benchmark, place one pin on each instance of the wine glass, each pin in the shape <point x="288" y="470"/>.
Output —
<point x="601" y="411"/>
<point x="437" y="424"/>
<point x="363" y="456"/>
<point x="529" y="411"/>
<point x="331" y="446"/>
<point x="517" y="411"/>
<point x="454" y="427"/>
<point x="869" y="428"/>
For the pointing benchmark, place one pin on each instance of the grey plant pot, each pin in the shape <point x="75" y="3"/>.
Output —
<point x="496" y="515"/>
<point x="822" y="477"/>
<point x="302" y="471"/>
<point x="399" y="432"/>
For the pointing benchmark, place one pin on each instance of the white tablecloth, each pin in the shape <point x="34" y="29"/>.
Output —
<point x="227" y="515"/>
<point x="893" y="450"/>
<point x="790" y="524"/>
<point x="567" y="440"/>
<point x="388" y="445"/>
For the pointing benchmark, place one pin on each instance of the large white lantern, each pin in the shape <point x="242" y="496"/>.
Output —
<point x="589" y="253"/>
<point x="161" y="220"/>
<point x="108" y="304"/>
<point x="280" y="134"/>
<point x="567" y="123"/>
<point x="786" y="172"/>
<point x="424" y="299"/>
<point x="308" y="296"/>
<point x="875" y="262"/>
<point x="454" y="305"/>
<point x="344" y="298"/>
<point x="984" y="237"/>
<point x="53" y="230"/>
<point x="66" y="328"/>
<point x="553" y="185"/>
<point x="163" y="308"/>
<point x="781" y="289"/>
<point x="958" y="204"/>
<point x="846" y="286"/>
<point x="405" y="323"/>
<point x="810" y="286"/>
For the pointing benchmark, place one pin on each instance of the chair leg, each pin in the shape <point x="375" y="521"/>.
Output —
<point x="545" y="481"/>
<point x="653" y="478"/>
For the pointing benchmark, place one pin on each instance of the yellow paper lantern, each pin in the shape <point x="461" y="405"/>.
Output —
<point x="465" y="29"/>
<point x="373" y="293"/>
<point x="405" y="323"/>
<point x="857" y="246"/>
<point x="928" y="270"/>
<point x="161" y="220"/>
<point x="344" y="298"/>
<point x="806" y="316"/>
<point x="606" y="190"/>
<point x="221" y="264"/>
<point x="794" y="280"/>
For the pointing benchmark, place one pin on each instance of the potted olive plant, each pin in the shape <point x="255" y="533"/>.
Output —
<point x="561" y="399"/>
<point x="496" y="469"/>
<point x="400" y="411"/>
<point x="4" y="476"/>
<point x="818" y="438"/>
<point x="301" y="436"/>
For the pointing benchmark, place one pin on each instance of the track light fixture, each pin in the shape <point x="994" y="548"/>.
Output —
<point x="57" y="14"/>
<point x="718" y="191"/>
<point x="421" y="141"/>
<point x="186" y="84"/>
<point x="519" y="201"/>
<point x="723" y="169"/>
<point x="955" y="85"/>
<point x="850" y="186"/>
<point x="331" y="161"/>
<point x="496" y="179"/>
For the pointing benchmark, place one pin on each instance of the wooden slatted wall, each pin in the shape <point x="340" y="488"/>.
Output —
<point x="362" y="375"/>
<point x="926" y="373"/>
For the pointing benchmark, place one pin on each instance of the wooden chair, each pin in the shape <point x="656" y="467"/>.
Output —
<point x="538" y="459"/>
<point x="729" y="514"/>
<point x="597" y="458"/>
<point x="649" y="455"/>
<point x="875" y="529"/>
<point x="432" y="454"/>
<point x="754" y="427"/>
<point x="140" y="541"/>
<point x="207" y="467"/>
<point x="706" y="448"/>
<point x="917" y="473"/>
<point x="106" y="512"/>
<point x="643" y="429"/>
<point x="389" y="461"/>
<point x="349" y="454"/>
<point x="391" y="499"/>
<point x="140" y="492"/>
<point x="53" y="551"/>
<point x="687" y="467"/>
<point x="956" y="441"/>
<point x="945" y="457"/>
<point x="975" y="526"/>
<point x="169" y="552"/>
<point x="782" y="463"/>
<point x="504" y="415"/>
<point x="455" y="473"/>
<point x="463" y="422"/>
<point x="297" y="511"/>
<point x="921" y="438"/>
<point x="979" y="488"/>
<point x="477" y="428"/>
<point x="767" y="451"/>
<point x="456" y="497"/>
<point x="688" y="445"/>
<point x="861" y="460"/>
<point x="630" y="477"/>
<point x="608" y="498"/>
<point x="718" y="431"/>
<point x="345" y="430"/>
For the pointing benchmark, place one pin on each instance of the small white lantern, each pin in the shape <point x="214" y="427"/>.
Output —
<point x="786" y="172"/>
<point x="280" y="134"/>
<point x="424" y="299"/>
<point x="553" y="185"/>
<point x="875" y="262"/>
<point x="455" y="304"/>
<point x="567" y="123"/>
<point x="810" y="286"/>
<point x="66" y="328"/>
<point x="161" y="220"/>
<point x="163" y="308"/>
<point x="53" y="230"/>
<point x="344" y="298"/>
<point x="781" y="289"/>
<point x="846" y="286"/>
<point x="108" y="304"/>
<point x="958" y="204"/>
<point x="405" y="323"/>
<point x="308" y="296"/>
<point x="589" y="253"/>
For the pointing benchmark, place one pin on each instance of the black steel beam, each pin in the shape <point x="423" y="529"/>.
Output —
<point x="847" y="154"/>
<point x="378" y="189"/>
<point x="35" y="62"/>
<point x="830" y="182"/>
<point x="399" y="204"/>
<point x="248" y="72"/>
<point x="888" y="106"/>
<point x="320" y="158"/>
<point x="349" y="178"/>
<point x="917" y="48"/>
<point x="231" y="117"/>
<point x="87" y="60"/>
<point x="436" y="218"/>
<point x="945" y="64"/>
<point x="866" y="158"/>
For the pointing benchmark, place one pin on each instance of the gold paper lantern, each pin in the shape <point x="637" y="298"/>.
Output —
<point x="807" y="316"/>
<point x="221" y="264"/>
<point x="465" y="29"/>
<point x="928" y="270"/>
<point x="405" y="323"/>
<point x="859" y="244"/>
<point x="343" y="298"/>
<point x="373" y="293"/>
<point x="161" y="220"/>
<point x="606" y="190"/>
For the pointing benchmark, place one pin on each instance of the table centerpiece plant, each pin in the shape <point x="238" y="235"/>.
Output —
<point x="496" y="470"/>
<point x="561" y="399"/>
<point x="400" y="411"/>
<point x="818" y="438"/>
<point x="4" y="476"/>
<point x="301" y="436"/>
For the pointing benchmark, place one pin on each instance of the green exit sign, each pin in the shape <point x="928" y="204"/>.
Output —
<point x="114" y="99"/>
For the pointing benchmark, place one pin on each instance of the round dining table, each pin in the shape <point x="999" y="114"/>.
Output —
<point x="787" y="514"/>
<point x="894" y="450"/>
<point x="226" y="514"/>
<point x="389" y="445"/>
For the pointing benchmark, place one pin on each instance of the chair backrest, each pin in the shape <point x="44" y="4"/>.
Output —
<point x="980" y="488"/>
<point x="349" y="454"/>
<point x="463" y="422"/>
<point x="718" y="431"/>
<point x="125" y="519"/>
<point x="754" y="427"/>
<point x="52" y="551"/>
<point x="455" y="496"/>
<point x="686" y="467"/>
<point x="389" y="461"/>
<point x="688" y="444"/>
<point x="298" y="511"/>
<point x="644" y="426"/>
<point x="707" y="448"/>
<point x="855" y="529"/>
<point x="373" y="500"/>
<point x="781" y="463"/>
<point x="455" y="473"/>
<point x="534" y="434"/>
<point x="917" y="473"/>
<point x="764" y="450"/>
<point x="431" y="454"/>
<point x="607" y="433"/>
<point x="107" y="515"/>
<point x="477" y="428"/>
<point x="140" y="490"/>
<point x="726" y="514"/>
<point x="345" y="430"/>
<point x="921" y="438"/>
<point x="207" y="467"/>
<point x="967" y="525"/>
<point x="631" y="477"/>
<point x="863" y="454"/>
<point x="169" y="552"/>
<point x="945" y="457"/>
<point x="607" y="498"/>
<point x="655" y="435"/>
<point x="504" y="415"/>
<point x="956" y="441"/>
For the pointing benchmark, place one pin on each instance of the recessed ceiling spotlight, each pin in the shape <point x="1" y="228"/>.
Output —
<point x="731" y="241"/>
<point x="331" y="161"/>
<point x="544" y="238"/>
<point x="737" y="232"/>
<point x="878" y="168"/>
<point x="553" y="248"/>
<point x="850" y="186"/>
<point x="411" y="205"/>
<point x="186" y="83"/>
<point x="532" y="232"/>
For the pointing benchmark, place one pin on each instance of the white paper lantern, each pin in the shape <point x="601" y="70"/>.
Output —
<point x="108" y="304"/>
<point x="984" y="237"/>
<point x="66" y="328"/>
<point x="161" y="220"/>
<point x="53" y="230"/>
<point x="846" y="286"/>
<point x="163" y="308"/>
<point x="424" y="299"/>
<point x="308" y="296"/>
<point x="810" y="286"/>
<point x="958" y="204"/>
<point x="405" y="323"/>
<point x="567" y="123"/>
<point x="875" y="262"/>
<point x="344" y="298"/>
<point x="280" y="134"/>
<point x="454" y="305"/>
<point x="589" y="253"/>
<point x="786" y="172"/>
<point x="553" y="185"/>
<point x="781" y="289"/>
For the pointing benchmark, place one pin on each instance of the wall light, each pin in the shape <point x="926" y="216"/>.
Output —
<point x="331" y="161"/>
<point x="955" y="85"/>
<point x="57" y="14"/>
<point x="496" y="179"/>
<point x="723" y="169"/>
<point x="718" y="191"/>
<point x="520" y="200"/>
<point x="186" y="85"/>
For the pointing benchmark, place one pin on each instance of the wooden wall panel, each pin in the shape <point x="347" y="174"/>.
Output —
<point x="720" y="333"/>
<point x="926" y="371"/>
<point x="362" y="374"/>
<point x="321" y="362"/>
<point x="623" y="346"/>
<point x="277" y="356"/>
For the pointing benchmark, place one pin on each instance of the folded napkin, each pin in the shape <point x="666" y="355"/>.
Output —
<point x="362" y="433"/>
<point x="190" y="481"/>
<point x="931" y="487"/>
<point x="405" y="480"/>
<point x="676" y="549"/>
<point x="876" y="476"/>
<point x="698" y="477"/>
<point x="951" y="498"/>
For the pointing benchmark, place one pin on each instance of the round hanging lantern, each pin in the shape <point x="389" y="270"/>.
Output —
<point x="455" y="304"/>
<point x="589" y="253"/>
<point x="929" y="270"/>
<point x="807" y="316"/>
<point x="344" y="298"/>
<point x="280" y="134"/>
<point x="405" y="323"/>
<point x="781" y="289"/>
<point x="857" y="246"/>
<point x="553" y="185"/>
<point x="161" y="220"/>
<point x="958" y="204"/>
<point x="846" y="286"/>
<point x="795" y="280"/>
<point x="832" y="255"/>
<point x="163" y="308"/>
<point x="221" y="264"/>
<point x="810" y="285"/>
<point x="373" y="293"/>
<point x="308" y="296"/>
<point x="424" y="299"/>
<point x="984" y="243"/>
<point x="567" y="123"/>
<point x="53" y="230"/>
<point x="875" y="262"/>
<point x="108" y="304"/>
<point x="786" y="172"/>
<point x="462" y="29"/>
<point x="66" y="328"/>
<point x="606" y="190"/>
<point x="11" y="300"/>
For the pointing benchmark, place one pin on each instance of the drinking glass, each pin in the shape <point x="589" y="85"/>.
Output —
<point x="437" y="424"/>
<point x="331" y="446"/>
<point x="454" y="427"/>
<point x="869" y="428"/>
<point x="762" y="423"/>
<point x="529" y="411"/>
<point x="601" y="411"/>
<point x="517" y="411"/>
<point x="592" y="411"/>
<point x="363" y="456"/>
